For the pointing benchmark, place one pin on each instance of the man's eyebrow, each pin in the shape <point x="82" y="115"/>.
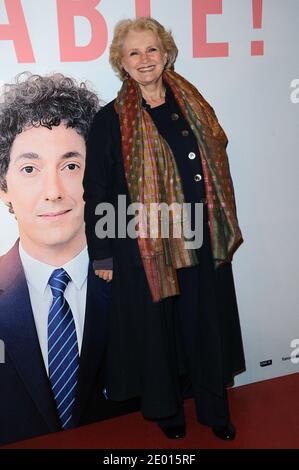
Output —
<point x="28" y="155"/>
<point x="72" y="154"/>
<point x="35" y="156"/>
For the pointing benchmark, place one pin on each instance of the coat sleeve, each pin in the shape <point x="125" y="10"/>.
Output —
<point x="97" y="182"/>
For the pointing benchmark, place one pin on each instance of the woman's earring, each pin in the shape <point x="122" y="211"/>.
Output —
<point x="166" y="62"/>
<point x="10" y="208"/>
<point x="125" y="73"/>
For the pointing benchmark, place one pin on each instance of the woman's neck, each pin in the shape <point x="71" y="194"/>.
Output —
<point x="154" y="94"/>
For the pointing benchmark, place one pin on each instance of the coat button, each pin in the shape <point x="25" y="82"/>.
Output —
<point x="174" y="116"/>
<point x="185" y="133"/>
<point x="197" y="177"/>
<point x="191" y="155"/>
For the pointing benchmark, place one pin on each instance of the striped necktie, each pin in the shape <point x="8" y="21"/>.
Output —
<point x="63" y="354"/>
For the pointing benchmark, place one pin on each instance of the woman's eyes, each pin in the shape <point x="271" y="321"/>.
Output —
<point x="151" y="49"/>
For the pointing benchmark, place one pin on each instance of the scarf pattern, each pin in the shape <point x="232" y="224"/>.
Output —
<point x="152" y="177"/>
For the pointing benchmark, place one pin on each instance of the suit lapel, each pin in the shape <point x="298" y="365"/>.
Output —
<point x="20" y="337"/>
<point x="94" y="339"/>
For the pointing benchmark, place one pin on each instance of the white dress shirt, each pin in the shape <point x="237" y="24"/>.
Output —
<point x="37" y="276"/>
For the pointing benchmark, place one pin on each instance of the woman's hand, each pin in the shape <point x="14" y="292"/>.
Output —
<point x="105" y="274"/>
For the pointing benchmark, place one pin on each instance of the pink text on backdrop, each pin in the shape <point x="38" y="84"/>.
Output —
<point x="257" y="47"/>
<point x="16" y="30"/>
<point x="202" y="48"/>
<point x="67" y="10"/>
<point x="143" y="7"/>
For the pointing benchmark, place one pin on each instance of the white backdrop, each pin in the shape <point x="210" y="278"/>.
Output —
<point x="256" y="98"/>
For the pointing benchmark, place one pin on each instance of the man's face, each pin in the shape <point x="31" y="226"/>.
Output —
<point x="44" y="185"/>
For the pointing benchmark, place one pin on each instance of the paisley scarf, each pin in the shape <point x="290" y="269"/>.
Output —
<point x="153" y="178"/>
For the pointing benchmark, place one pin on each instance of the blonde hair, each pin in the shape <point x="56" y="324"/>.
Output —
<point x="121" y="30"/>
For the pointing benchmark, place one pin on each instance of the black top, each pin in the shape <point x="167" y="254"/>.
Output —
<point x="174" y="128"/>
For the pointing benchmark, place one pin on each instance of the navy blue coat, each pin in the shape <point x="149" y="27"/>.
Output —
<point x="27" y="407"/>
<point x="152" y="344"/>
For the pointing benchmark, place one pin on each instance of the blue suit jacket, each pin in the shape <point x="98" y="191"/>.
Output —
<point x="27" y="406"/>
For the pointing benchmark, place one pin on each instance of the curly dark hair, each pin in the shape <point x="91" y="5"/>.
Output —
<point x="48" y="101"/>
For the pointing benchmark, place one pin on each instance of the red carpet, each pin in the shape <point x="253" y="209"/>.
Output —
<point x="266" y="415"/>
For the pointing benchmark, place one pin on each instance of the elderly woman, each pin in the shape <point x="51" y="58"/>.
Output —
<point x="174" y="326"/>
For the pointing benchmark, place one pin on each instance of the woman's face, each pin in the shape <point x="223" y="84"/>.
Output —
<point x="143" y="57"/>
